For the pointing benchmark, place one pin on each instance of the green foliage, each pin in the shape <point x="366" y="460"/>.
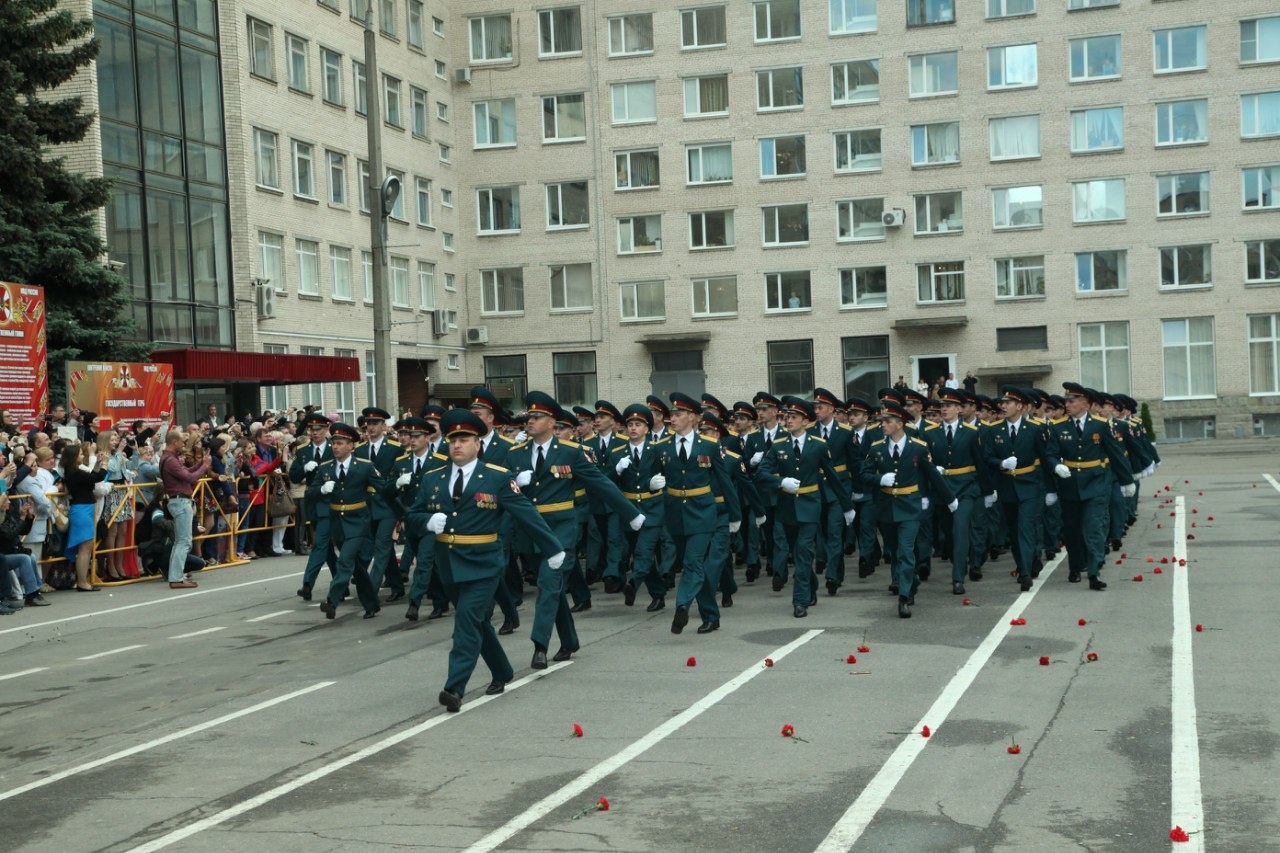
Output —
<point x="1146" y="422"/>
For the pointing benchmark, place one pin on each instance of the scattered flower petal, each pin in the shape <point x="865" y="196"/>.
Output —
<point x="577" y="730"/>
<point x="1151" y="559"/>
<point x="1091" y="657"/>
<point x="691" y="662"/>
<point x="788" y="730"/>
<point x="1178" y="834"/>
<point x="1044" y="660"/>
<point x="925" y="732"/>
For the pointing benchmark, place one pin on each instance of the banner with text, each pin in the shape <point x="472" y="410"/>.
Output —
<point x="121" y="392"/>
<point x="24" y="368"/>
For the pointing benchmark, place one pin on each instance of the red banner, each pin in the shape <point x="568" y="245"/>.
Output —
<point x="121" y="392"/>
<point x="24" y="368"/>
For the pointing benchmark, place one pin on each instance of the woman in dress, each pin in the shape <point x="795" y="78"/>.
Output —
<point x="117" y="507"/>
<point x="82" y="469"/>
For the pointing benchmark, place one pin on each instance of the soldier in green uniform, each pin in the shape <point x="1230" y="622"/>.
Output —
<point x="419" y="551"/>
<point x="381" y="451"/>
<point x="302" y="470"/>
<point x="493" y="449"/>
<point x="744" y="494"/>
<point x="744" y="418"/>
<point x="1016" y="455"/>
<point x="638" y="472"/>
<point x="864" y="526"/>
<point x="957" y="453"/>
<point x="609" y="560"/>
<point x="844" y="462"/>
<point x="773" y="542"/>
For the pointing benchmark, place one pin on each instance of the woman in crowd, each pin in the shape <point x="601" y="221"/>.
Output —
<point x="117" y="505"/>
<point x="82" y="469"/>
<point x="15" y="523"/>
<point x="220" y="489"/>
<point x="38" y="484"/>
<point x="276" y="484"/>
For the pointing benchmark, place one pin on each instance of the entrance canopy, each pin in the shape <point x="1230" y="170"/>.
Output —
<point x="209" y="365"/>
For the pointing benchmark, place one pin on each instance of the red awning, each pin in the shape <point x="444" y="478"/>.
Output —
<point x="210" y="365"/>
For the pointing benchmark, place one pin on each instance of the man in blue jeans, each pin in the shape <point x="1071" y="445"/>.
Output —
<point x="179" y="481"/>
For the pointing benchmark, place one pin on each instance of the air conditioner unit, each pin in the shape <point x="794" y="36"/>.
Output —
<point x="440" y="322"/>
<point x="893" y="218"/>
<point x="478" y="335"/>
<point x="266" y="302"/>
<point x="462" y="75"/>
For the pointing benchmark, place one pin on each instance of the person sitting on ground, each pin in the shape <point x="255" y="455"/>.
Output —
<point x="15" y="523"/>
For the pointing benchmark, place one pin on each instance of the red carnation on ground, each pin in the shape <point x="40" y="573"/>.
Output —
<point x="788" y="730"/>
<point x="851" y="659"/>
<point x="577" y="730"/>
<point x="600" y="805"/>
<point x="1044" y="660"/>
<point x="1092" y="657"/>
<point x="1178" y="834"/>
<point x="966" y="602"/>
<point x="1083" y="622"/>
<point x="1199" y="627"/>
<point x="1138" y="578"/>
<point x="1013" y="749"/>
<point x="768" y="661"/>
<point x="862" y="650"/>
<point x="925" y="732"/>
<point x="1018" y="621"/>
<point x="691" y="662"/>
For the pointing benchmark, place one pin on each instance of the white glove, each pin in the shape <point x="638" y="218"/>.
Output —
<point x="888" y="480"/>
<point x="756" y="457"/>
<point x="524" y="478"/>
<point x="790" y="485"/>
<point x="437" y="522"/>
<point x="623" y="464"/>
<point x="1148" y="471"/>
<point x="521" y="436"/>
<point x="327" y="488"/>
<point x="637" y="522"/>
<point x="656" y="482"/>
<point x="857" y="496"/>
<point x="989" y="501"/>
<point x="924" y="503"/>
<point x="1062" y="471"/>
<point x="556" y="560"/>
<point x="940" y="470"/>
<point x="761" y="519"/>
<point x="850" y="516"/>
<point x="735" y="526"/>
<point x="953" y="506"/>
<point x="1050" y="498"/>
<point x="1129" y="490"/>
<point x="311" y="466"/>
<point x="1010" y="463"/>
<point x="403" y="480"/>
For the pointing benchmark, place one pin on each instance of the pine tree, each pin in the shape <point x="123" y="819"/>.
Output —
<point x="48" y="233"/>
<point x="1147" y="423"/>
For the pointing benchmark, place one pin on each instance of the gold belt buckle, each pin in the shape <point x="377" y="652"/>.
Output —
<point x="451" y="538"/>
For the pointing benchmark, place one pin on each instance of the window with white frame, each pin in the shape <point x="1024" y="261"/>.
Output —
<point x="426" y="285"/>
<point x="498" y="210"/>
<point x="642" y="300"/>
<point x="851" y="16"/>
<point x="1102" y="271"/>
<point x="271" y="259"/>
<point x="1090" y="4"/>
<point x="491" y="38"/>
<point x="414" y="15"/>
<point x="1097" y="129"/>
<point x="422" y="197"/>
<point x="304" y="169"/>
<point x="275" y="397"/>
<point x="706" y="96"/>
<point x="936" y="144"/>
<point x="437" y="26"/>
<point x="1260" y="40"/>
<point x="860" y="219"/>
<point x="575" y="377"/>
<point x="564" y="118"/>
<point x="1181" y="49"/>
<point x="1182" y="194"/>
<point x="398" y="268"/>
<point x="337" y="165"/>
<point x="941" y="281"/>
<point x="939" y="212"/>
<point x="345" y="392"/>
<point x="711" y="229"/>
<point x="340" y="272"/>
<point x="440" y="70"/>
<point x="634" y="102"/>
<point x="924" y="13"/>
<point x="1186" y="266"/>
<point x="630" y="35"/>
<point x="1095" y="58"/>
<point x="1015" y="137"/>
<point x="788" y="291"/>
<point x="362" y="185"/>
<point x="933" y="74"/>
<point x="785" y="225"/>
<point x="710" y="163"/>
<point x="297" y="62"/>
<point x="359" y="90"/>
<point x="782" y="156"/>
<point x="495" y="123"/>
<point x="446" y="241"/>
<point x="265" y="159"/>
<point x="1182" y="122"/>
<point x="703" y="27"/>
<point x="391" y="101"/>
<point x="571" y="287"/>
<point x="1020" y="277"/>
<point x="1260" y="115"/>
<point x="1013" y="66"/>
<point x="560" y="31"/>
<point x="370" y="376"/>
<point x="331" y="74"/>
<point x="779" y="89"/>
<point x="636" y="170"/>
<point x="442" y="111"/>
<point x="639" y="234"/>
<point x="1104" y="356"/>
<point x="864" y="287"/>
<point x="716" y="296"/>
<point x="452" y="363"/>
<point x="567" y="205"/>
<point x="307" y="260"/>
<point x="1010" y="8"/>
<point x="446" y="153"/>
<point x="1189" y="370"/>
<point x="418" y="101"/>
<point x="858" y="150"/>
<point x="1097" y="201"/>
<point x="398" y="206"/>
<point x="450" y="282"/>
<point x="387" y="17"/>
<point x="1017" y="207"/>
<point x="1260" y="184"/>
<point x="1262" y="262"/>
<point x="366" y="276"/>
<point x="777" y="20"/>
<point x="261" y="50"/>
<point x="1264" y="353"/>
<point x="856" y="81"/>
<point x="502" y="291"/>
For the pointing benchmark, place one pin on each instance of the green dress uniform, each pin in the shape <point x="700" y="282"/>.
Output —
<point x="646" y="462"/>
<point x="1021" y="490"/>
<point x="379" y="554"/>
<point x="418" y="558"/>
<point x="869" y="553"/>
<point x="609" y="560"/>
<point x="347" y="524"/>
<point x="844" y="462"/>
<point x="321" y="547"/>
<point x="956" y="449"/>
<point x="496" y="447"/>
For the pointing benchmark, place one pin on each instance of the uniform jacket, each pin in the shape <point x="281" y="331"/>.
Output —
<point x="813" y="468"/>
<point x="602" y="463"/>
<point x="349" y="504"/>
<point x="404" y="496"/>
<point x="634" y="480"/>
<point x="569" y="468"/>
<point x="965" y="451"/>
<point x="1094" y="457"/>
<point x="383" y="462"/>
<point x="915" y="469"/>
<point x="704" y="476"/>
<point x="844" y="460"/>
<point x="1035" y="467"/>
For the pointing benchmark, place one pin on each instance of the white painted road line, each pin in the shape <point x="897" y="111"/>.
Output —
<point x="152" y="744"/>
<point x="321" y="772"/>
<point x="114" y="651"/>
<point x="1186" y="801"/>
<point x="198" y="633"/>
<point x="1272" y="480"/>
<point x="24" y="672"/>
<point x="855" y="820"/>
<point x="269" y="616"/>
<point x="613" y="763"/>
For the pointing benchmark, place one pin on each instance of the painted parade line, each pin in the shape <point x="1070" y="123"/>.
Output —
<point x="1186" y="801"/>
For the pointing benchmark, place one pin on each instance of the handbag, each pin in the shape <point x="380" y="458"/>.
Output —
<point x="282" y="504"/>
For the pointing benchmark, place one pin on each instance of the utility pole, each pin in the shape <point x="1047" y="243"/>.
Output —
<point x="382" y="193"/>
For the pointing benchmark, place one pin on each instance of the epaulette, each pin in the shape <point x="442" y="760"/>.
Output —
<point x="362" y="444"/>
<point x="920" y="441"/>
<point x="843" y="426"/>
<point x="330" y="462"/>
<point x="878" y="442"/>
<point x="931" y="425"/>
<point x="662" y="440"/>
<point x="969" y="426"/>
<point x="521" y="445"/>
<point x="393" y="442"/>
<point x="569" y="443"/>
<point x="434" y="470"/>
<point x="1034" y="420"/>
<point x="403" y="456"/>
<point x="357" y="459"/>
<point x="990" y="423"/>
<point x="439" y="455"/>
<point x="1099" y="419"/>
<point x="818" y="438"/>
<point x="1061" y="420"/>
<point x="731" y="454"/>
<point x="733" y="432"/>
<point x="780" y="441"/>
<point x="619" y="448"/>
<point x="508" y="441"/>
<point x="495" y="467"/>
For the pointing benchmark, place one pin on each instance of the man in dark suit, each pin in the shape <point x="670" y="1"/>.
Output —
<point x="957" y="453"/>
<point x="303" y="470"/>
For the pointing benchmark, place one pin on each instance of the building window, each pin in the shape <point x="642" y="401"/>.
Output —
<point x="933" y="74"/>
<point x="418" y="100"/>
<point x="1104" y="356"/>
<point x="340" y="272"/>
<point x="1264" y="353"/>
<point x="387" y="18"/>
<point x="304" y="176"/>
<point x="1181" y="49"/>
<point x="637" y="170"/>
<point x="1182" y="122"/>
<point x="706" y="96"/>
<point x="852" y="16"/>
<point x="939" y="212"/>
<point x="564" y="118"/>
<point x="1260" y="40"/>
<point x="638" y="234"/>
<point x="399" y="270"/>
<point x="567" y="205"/>
<point x="271" y="259"/>
<point x="345" y="392"/>
<point x="860" y="219"/>
<point x="1091" y="4"/>
<point x="785" y="225"/>
<point x="937" y="144"/>
<point x="498" y="210"/>
<point x="265" y="161"/>
<point x="1015" y="338"/>
<point x="866" y="365"/>
<point x="634" y="102"/>
<point x="307" y="256"/>
<point x="452" y="362"/>
<point x="426" y="285"/>
<point x="502" y="291"/>
<point x="437" y="26"/>
<point x="422" y="192"/>
<point x="337" y="177"/>
<point x="312" y="392"/>
<point x="858" y="150"/>
<point x="297" y="62"/>
<point x="864" y="287"/>
<point x="560" y="31"/>
<point x="642" y="300"/>
<point x="571" y="287"/>
<point x="702" y="27"/>
<point x="362" y="185"/>
<point x="710" y="164"/>
<point x="715" y="297"/>
<point x="495" y="123"/>
<point x="446" y="241"/>
<point x="1102" y="271"/>
<point x="1260" y="188"/>
<point x="414" y="31"/>
<point x="1097" y="129"/>
<point x="855" y="82"/>
<point x="450" y="283"/>
<point x="788" y="291"/>
<point x="1097" y="201"/>
<point x="503" y="371"/>
<point x="1018" y="207"/>
<point x="261" y="50"/>
<point x="1186" y="266"/>
<point x="1188" y="358"/>
<point x="1009" y="8"/>
<point x="923" y="13"/>
<point x="370" y="376"/>
<point x="575" y="377"/>
<point x="331" y="72"/>
<point x="1260" y="114"/>
<point x="1262" y="262"/>
<point x="790" y="367"/>
<point x="1095" y="58"/>
<point x="359" y="88"/>
<point x="777" y="20"/>
<point x="1020" y="278"/>
<point x="491" y="38"/>
<point x="440" y="70"/>
<point x="782" y="156"/>
<point x="1183" y="194"/>
<point x="1012" y="67"/>
<point x="631" y="34"/>
<point x="442" y="111"/>
<point x="1015" y="137"/>
<point x="711" y="229"/>
<point x="940" y="282"/>
<point x="275" y="398"/>
<point x="366" y="276"/>
<point x="391" y="101"/>
<point x="446" y="153"/>
<point x="398" y="206"/>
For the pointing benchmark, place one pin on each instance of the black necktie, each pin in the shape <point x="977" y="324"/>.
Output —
<point x="457" y="486"/>
<point x="604" y="448"/>
<point x="342" y="473"/>
<point x="542" y="461"/>
<point x="635" y="456"/>
<point x="1013" y="434"/>
<point x="949" y="435"/>
<point x="417" y="467"/>
<point x="1079" y="430"/>
<point x="856" y="441"/>
<point x="795" y="447"/>
<point x="684" y="451"/>
<point x="896" y="454"/>
<point x="826" y="433"/>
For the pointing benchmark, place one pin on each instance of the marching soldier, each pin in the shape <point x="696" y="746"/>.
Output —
<point x="1016" y="450"/>
<point x="956" y="450"/>
<point x="773" y="543"/>
<point x="844" y="462"/>
<point x="302" y="470"/>
<point x="608" y="564"/>
<point x="744" y="493"/>
<point x="744" y="423"/>
<point x="869" y="554"/>
<point x="382" y="452"/>
<point x="493" y="450"/>
<point x="419" y="552"/>
<point x="638" y="471"/>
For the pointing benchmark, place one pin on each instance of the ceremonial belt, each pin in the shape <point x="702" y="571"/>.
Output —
<point x="1091" y="464"/>
<point x="956" y="472"/>
<point x="560" y="507"/>
<point x="719" y="499"/>
<point x="1018" y="472"/>
<point x="458" y="539"/>
<point x="689" y="493"/>
<point x="840" y="469"/>
<point x="640" y="496"/>
<point x="371" y="490"/>
<point x="347" y="507"/>
<point x="806" y="490"/>
<point x="900" y="490"/>
<point x="581" y="493"/>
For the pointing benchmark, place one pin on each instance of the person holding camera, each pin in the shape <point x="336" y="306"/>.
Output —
<point x="117" y="509"/>
<point x="180" y="474"/>
<point x="82" y="472"/>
